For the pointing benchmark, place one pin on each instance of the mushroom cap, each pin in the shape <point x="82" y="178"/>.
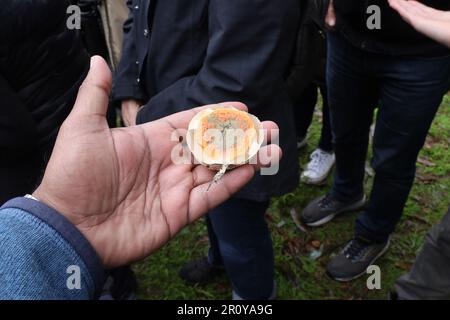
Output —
<point x="220" y="136"/>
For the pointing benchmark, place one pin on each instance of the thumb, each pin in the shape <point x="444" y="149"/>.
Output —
<point x="93" y="95"/>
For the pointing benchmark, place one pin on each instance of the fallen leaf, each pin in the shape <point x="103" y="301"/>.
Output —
<point x="431" y="141"/>
<point x="316" y="254"/>
<point x="281" y="224"/>
<point x="426" y="162"/>
<point x="403" y="265"/>
<point x="295" y="217"/>
<point x="316" y="244"/>
<point x="426" y="178"/>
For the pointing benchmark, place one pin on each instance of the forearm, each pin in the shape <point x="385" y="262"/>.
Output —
<point x="43" y="256"/>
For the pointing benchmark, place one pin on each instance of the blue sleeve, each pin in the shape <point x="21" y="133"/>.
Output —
<point x="43" y="256"/>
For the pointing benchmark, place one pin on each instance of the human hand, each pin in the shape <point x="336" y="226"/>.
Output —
<point x="130" y="109"/>
<point x="431" y="22"/>
<point x="119" y="187"/>
<point x="330" y="18"/>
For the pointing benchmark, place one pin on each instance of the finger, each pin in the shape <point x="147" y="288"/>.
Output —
<point x="93" y="95"/>
<point x="181" y="120"/>
<point x="201" y="201"/>
<point x="271" y="131"/>
<point x="268" y="156"/>
<point x="202" y="175"/>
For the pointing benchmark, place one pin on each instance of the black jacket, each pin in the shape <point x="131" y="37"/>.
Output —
<point x="41" y="66"/>
<point x="309" y="63"/>
<point x="395" y="37"/>
<point x="199" y="52"/>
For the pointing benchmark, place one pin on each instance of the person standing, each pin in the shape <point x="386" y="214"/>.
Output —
<point x="429" y="277"/>
<point x="304" y="82"/>
<point x="406" y="75"/>
<point x="181" y="54"/>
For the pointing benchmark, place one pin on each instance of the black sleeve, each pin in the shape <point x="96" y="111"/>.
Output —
<point x="247" y="57"/>
<point x="125" y="85"/>
<point x="17" y="127"/>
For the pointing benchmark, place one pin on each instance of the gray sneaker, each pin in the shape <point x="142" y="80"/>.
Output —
<point x="354" y="259"/>
<point x="324" y="209"/>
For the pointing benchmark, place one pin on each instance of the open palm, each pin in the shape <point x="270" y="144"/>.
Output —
<point x="429" y="21"/>
<point x="120" y="187"/>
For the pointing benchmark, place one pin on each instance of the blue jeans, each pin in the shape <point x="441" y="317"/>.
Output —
<point x="241" y="242"/>
<point x="408" y="92"/>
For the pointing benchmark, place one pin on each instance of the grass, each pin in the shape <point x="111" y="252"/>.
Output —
<point x="298" y="275"/>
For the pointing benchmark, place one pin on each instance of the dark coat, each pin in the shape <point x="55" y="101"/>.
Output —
<point x="42" y="64"/>
<point x="207" y="51"/>
<point x="309" y="61"/>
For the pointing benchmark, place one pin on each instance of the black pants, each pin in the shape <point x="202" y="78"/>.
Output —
<point x="408" y="92"/>
<point x="240" y="241"/>
<point x="304" y="111"/>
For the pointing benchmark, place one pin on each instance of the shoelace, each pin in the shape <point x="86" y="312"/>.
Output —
<point x="317" y="160"/>
<point x="327" y="202"/>
<point x="354" y="249"/>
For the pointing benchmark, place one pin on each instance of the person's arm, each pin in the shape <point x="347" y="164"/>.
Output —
<point x="43" y="256"/>
<point x="246" y="57"/>
<point x="117" y="196"/>
<point x="431" y="22"/>
<point x="125" y="86"/>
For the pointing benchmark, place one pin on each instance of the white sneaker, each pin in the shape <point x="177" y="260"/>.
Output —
<point x="319" y="167"/>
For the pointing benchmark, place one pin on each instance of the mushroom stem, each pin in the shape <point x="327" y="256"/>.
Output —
<point x="218" y="176"/>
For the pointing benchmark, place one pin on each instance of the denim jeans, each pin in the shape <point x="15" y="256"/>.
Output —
<point x="241" y="242"/>
<point x="408" y="91"/>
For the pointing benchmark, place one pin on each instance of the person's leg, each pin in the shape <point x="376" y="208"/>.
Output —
<point x="326" y="137"/>
<point x="322" y="159"/>
<point x="352" y="93"/>
<point x="304" y="110"/>
<point x="214" y="256"/>
<point x="411" y="94"/>
<point x="245" y="247"/>
<point x="429" y="278"/>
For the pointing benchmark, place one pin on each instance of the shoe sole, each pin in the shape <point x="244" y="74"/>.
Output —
<point x="365" y="271"/>
<point x="354" y="207"/>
